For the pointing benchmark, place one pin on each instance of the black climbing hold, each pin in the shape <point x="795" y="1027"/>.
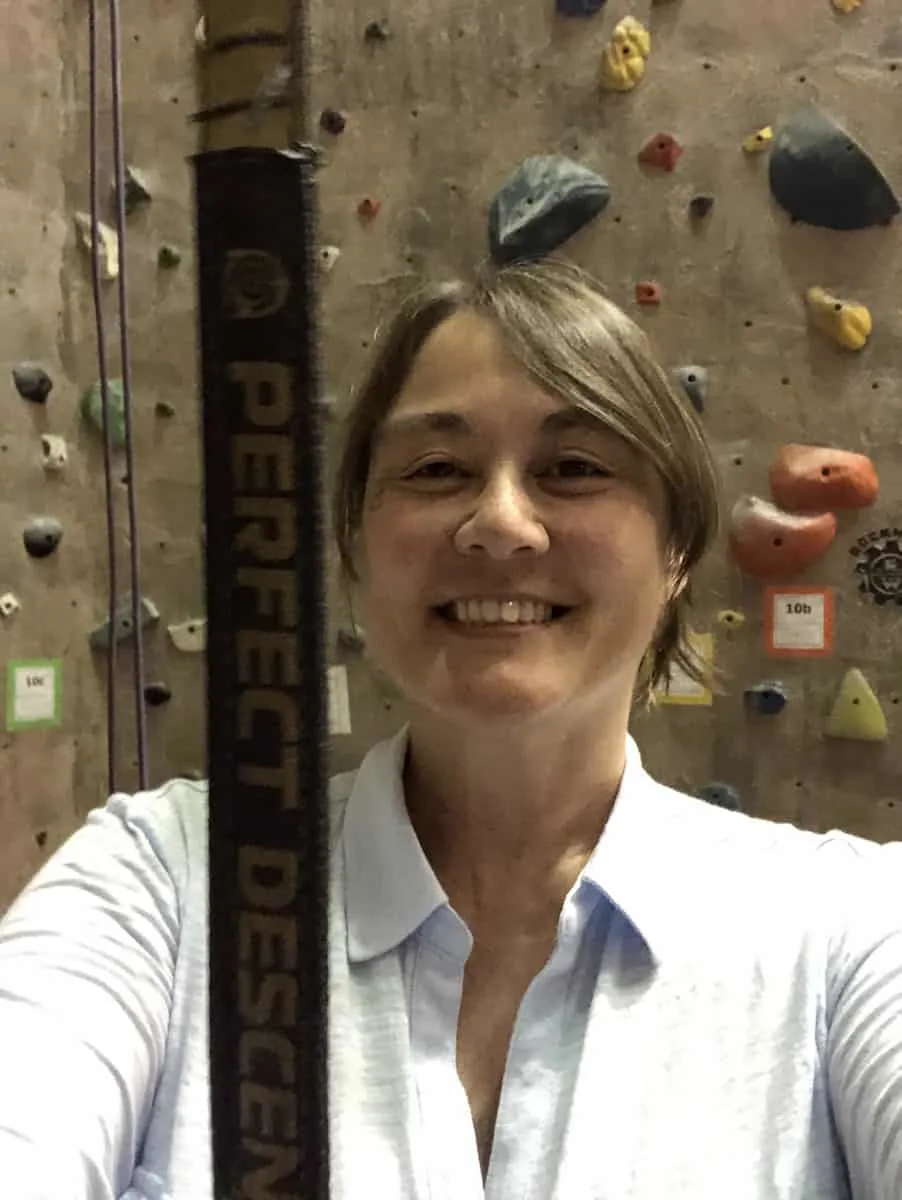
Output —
<point x="722" y="795"/>
<point x="542" y="204"/>
<point x="137" y="191"/>
<point x="377" y="31"/>
<point x="580" y="8"/>
<point x="169" y="256"/>
<point x="157" y="693"/>
<point x="821" y="176"/>
<point x="41" y="838"/>
<point x="700" y="206"/>
<point x="694" y="382"/>
<point x="41" y="536"/>
<point x="332" y="121"/>
<point x="32" y="382"/>
<point x="164" y="409"/>
<point x="768" y="698"/>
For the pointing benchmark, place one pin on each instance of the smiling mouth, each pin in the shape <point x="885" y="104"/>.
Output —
<point x="452" y="615"/>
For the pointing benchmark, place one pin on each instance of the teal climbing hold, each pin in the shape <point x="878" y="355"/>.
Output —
<point x="92" y="408"/>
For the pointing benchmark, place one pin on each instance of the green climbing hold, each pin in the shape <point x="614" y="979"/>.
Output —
<point x="169" y="256"/>
<point x="92" y="408"/>
<point x="164" y="409"/>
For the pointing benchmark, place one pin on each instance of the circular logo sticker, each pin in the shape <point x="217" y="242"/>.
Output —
<point x="255" y="285"/>
<point x="879" y="565"/>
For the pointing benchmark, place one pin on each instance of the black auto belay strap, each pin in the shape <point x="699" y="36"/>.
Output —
<point x="266" y="697"/>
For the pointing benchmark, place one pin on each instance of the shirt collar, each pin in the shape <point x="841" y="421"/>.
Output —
<point x="391" y="889"/>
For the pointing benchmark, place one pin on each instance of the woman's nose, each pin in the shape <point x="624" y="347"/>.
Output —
<point x="503" y="521"/>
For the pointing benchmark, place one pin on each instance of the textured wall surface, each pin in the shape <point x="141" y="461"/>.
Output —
<point x="437" y="117"/>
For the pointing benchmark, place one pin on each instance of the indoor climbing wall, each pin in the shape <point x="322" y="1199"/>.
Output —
<point x="730" y="171"/>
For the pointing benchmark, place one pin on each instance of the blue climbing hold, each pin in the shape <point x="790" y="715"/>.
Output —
<point x="580" y="8"/>
<point x="542" y="204"/>
<point x="767" y="698"/>
<point x="722" y="795"/>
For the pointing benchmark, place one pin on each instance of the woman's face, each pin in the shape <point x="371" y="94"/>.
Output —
<point x="489" y="499"/>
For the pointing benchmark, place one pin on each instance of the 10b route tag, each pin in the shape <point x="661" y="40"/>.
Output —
<point x="798" y="621"/>
<point x="33" y="694"/>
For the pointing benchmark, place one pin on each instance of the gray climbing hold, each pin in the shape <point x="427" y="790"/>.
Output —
<point x="157" y="693"/>
<point x="580" y="8"/>
<point x="700" y="206"/>
<point x="137" y="191"/>
<point x="352" y="641"/>
<point x="694" y="382"/>
<point x="767" y="698"/>
<point x="32" y="382"/>
<point x="164" y="409"/>
<point x="722" y="795"/>
<point x="377" y="31"/>
<point x="123" y="626"/>
<point x="542" y="204"/>
<point x="168" y="256"/>
<point x="821" y="176"/>
<point x="92" y="407"/>
<point x="41" y="536"/>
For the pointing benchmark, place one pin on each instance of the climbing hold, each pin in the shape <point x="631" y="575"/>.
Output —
<point x="164" y="409"/>
<point x="168" y="256"/>
<point x="200" y="34"/>
<point x="32" y="382"/>
<point x="662" y="150"/>
<point x="54" y="452"/>
<point x="41" y="838"/>
<point x="107" y="245"/>
<point x="352" y="641"/>
<point x="848" y="324"/>
<point x="856" y="712"/>
<point x="123" y="625"/>
<point x="542" y="204"/>
<point x="92" y="408"/>
<point x="846" y="6"/>
<point x="768" y="698"/>
<point x="694" y="382"/>
<point x="332" y="121"/>
<point x="757" y="143"/>
<point x="821" y="176"/>
<point x="624" y="58"/>
<point x="649" y="291"/>
<point x="157" y="693"/>
<point x="700" y="206"/>
<point x="580" y="8"/>
<point x="9" y="604"/>
<point x="328" y="257"/>
<point x="818" y="479"/>
<point x="41" y="536"/>
<point x="137" y="191"/>
<point x="721" y="795"/>
<point x="368" y="208"/>
<point x="730" y="618"/>
<point x="189" y="636"/>
<point x="377" y="31"/>
<point x="769" y="543"/>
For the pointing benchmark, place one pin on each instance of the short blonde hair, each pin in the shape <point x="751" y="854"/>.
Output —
<point x="579" y="346"/>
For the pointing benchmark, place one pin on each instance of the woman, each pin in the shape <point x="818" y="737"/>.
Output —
<point x="550" y="975"/>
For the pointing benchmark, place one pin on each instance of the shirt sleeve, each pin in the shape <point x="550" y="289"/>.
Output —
<point x="864" y="1020"/>
<point x="87" y="961"/>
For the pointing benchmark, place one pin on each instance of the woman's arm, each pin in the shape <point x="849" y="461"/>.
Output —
<point x="87" y="959"/>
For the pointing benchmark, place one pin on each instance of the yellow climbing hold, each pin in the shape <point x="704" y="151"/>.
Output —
<point x="856" y="712"/>
<point x="624" y="58"/>
<point x="755" y="143"/>
<point x="847" y="323"/>
<point x="846" y="6"/>
<point x="730" y="618"/>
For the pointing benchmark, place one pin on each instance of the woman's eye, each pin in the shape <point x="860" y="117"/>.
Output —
<point x="437" y="469"/>
<point x="579" y="468"/>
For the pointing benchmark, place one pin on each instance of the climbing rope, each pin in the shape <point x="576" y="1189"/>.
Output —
<point x="138" y="677"/>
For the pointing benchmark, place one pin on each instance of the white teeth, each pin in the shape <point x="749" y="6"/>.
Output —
<point x="508" y="612"/>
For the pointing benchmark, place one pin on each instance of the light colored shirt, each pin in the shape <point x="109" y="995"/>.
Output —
<point x="721" y="1015"/>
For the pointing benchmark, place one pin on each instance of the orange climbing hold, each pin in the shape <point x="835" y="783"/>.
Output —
<point x="368" y="208"/>
<point x="815" y="479"/>
<point x="769" y="543"/>
<point x="662" y="150"/>
<point x="649" y="291"/>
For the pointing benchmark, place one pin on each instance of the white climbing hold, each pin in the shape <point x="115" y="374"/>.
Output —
<point x="200" y="34"/>
<point x="54" y="452"/>
<point x="189" y="636"/>
<point x="328" y="257"/>
<point x="9" y="604"/>
<point x="108" y="249"/>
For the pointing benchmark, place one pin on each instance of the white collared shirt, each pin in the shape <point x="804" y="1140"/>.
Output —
<point x="721" y="1015"/>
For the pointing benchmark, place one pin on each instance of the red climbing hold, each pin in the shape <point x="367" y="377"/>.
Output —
<point x="368" y="208"/>
<point x="662" y="150"/>
<point x="649" y="291"/>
